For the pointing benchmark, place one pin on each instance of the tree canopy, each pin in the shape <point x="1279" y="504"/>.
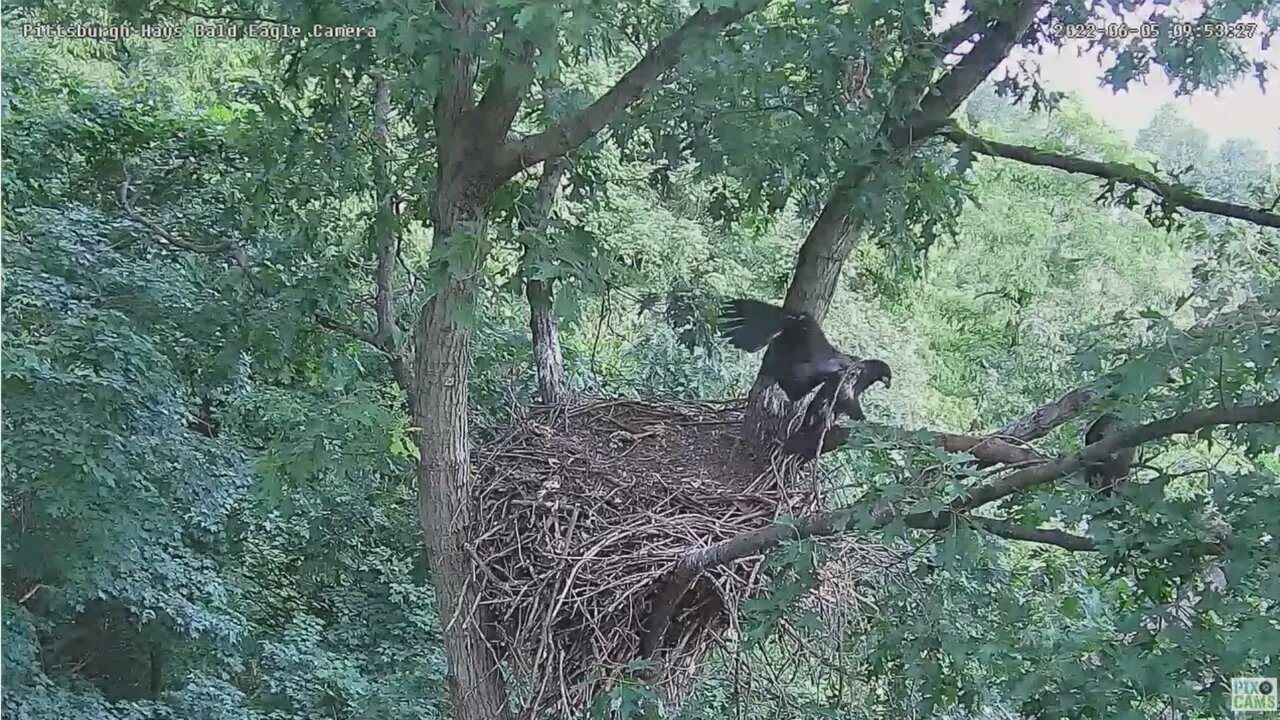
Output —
<point x="265" y="295"/>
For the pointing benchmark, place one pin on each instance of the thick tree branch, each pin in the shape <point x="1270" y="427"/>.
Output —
<point x="1041" y="421"/>
<point x="987" y="447"/>
<point x="833" y="236"/>
<point x="577" y="129"/>
<point x="1044" y="419"/>
<point x="1045" y="536"/>
<point x="956" y="35"/>
<point x="1178" y="424"/>
<point x="1003" y="528"/>
<point x="830" y="523"/>
<point x="958" y="83"/>
<point x="355" y="333"/>
<point x="939" y="102"/>
<point x="544" y="196"/>
<point x="991" y="449"/>
<point x="1170" y="193"/>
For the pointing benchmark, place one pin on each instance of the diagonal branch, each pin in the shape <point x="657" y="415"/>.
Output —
<point x="232" y="250"/>
<point x="1170" y="193"/>
<point x="577" y="129"/>
<point x="833" y="235"/>
<point x="352" y="331"/>
<point x="987" y="447"/>
<point x="956" y="35"/>
<point x="1044" y="536"/>
<point x="990" y="449"/>
<point x="951" y="89"/>
<point x="1044" y="419"/>
<point x="1006" y="529"/>
<point x="1178" y="424"/>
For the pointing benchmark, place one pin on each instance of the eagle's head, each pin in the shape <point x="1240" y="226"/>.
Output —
<point x="874" y="371"/>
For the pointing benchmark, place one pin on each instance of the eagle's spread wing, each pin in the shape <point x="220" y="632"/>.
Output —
<point x="803" y="334"/>
<point x="750" y="324"/>
<point x="799" y="357"/>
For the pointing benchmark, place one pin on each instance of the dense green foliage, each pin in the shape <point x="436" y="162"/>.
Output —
<point x="163" y="573"/>
<point x="209" y="509"/>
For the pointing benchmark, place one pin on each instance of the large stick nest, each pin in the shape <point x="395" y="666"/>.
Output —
<point x="582" y="513"/>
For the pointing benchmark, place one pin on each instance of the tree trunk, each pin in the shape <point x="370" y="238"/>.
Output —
<point x="835" y="233"/>
<point x="442" y="361"/>
<point x="473" y="159"/>
<point x="548" y="359"/>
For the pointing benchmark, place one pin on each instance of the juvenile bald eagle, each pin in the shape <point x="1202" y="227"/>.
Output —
<point x="835" y="397"/>
<point x="1106" y="475"/>
<point x="799" y="357"/>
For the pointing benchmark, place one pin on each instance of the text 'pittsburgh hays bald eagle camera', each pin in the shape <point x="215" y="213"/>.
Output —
<point x="799" y="358"/>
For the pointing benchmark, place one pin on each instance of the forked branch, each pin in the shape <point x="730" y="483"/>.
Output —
<point x="959" y="82"/>
<point x="571" y="132"/>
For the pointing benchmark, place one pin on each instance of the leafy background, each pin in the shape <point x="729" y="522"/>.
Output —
<point x="275" y="569"/>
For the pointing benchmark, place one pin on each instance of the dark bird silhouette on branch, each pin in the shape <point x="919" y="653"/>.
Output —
<point x="1107" y="474"/>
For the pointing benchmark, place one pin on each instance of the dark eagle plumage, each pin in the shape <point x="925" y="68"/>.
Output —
<point x="1107" y="474"/>
<point x="836" y="396"/>
<point x="799" y="357"/>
